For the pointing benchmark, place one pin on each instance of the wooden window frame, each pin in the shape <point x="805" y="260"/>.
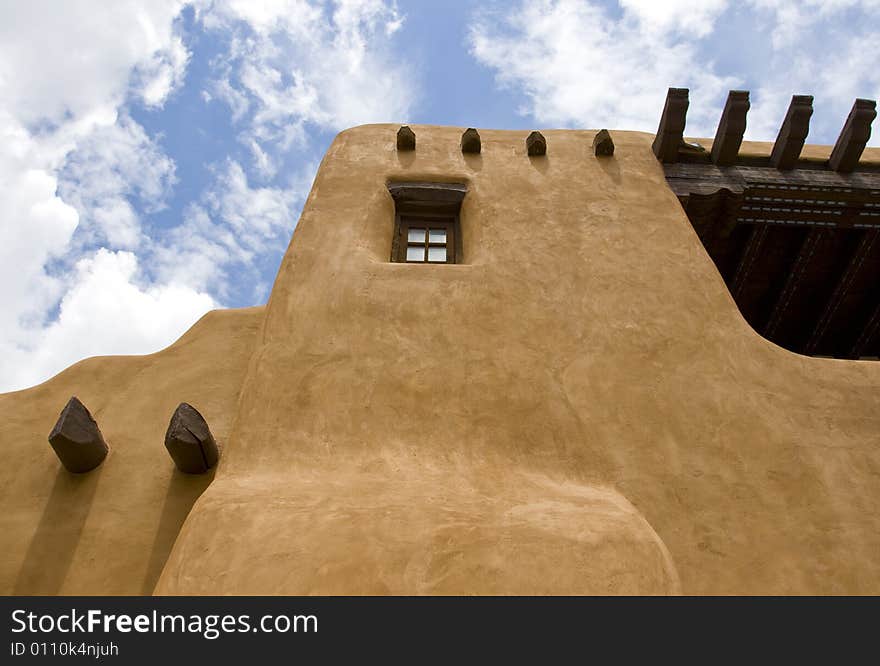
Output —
<point x="406" y="222"/>
<point x="427" y="206"/>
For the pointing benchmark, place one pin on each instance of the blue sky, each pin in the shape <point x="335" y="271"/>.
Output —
<point x="155" y="156"/>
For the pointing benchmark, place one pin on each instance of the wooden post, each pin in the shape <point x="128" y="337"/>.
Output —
<point x="670" y="134"/>
<point x="603" y="144"/>
<point x="536" y="144"/>
<point x="76" y="438"/>
<point x="731" y="128"/>
<point x="470" y="141"/>
<point x="406" y="138"/>
<point x="793" y="133"/>
<point x="853" y="137"/>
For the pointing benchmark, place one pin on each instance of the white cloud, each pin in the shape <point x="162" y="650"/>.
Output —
<point x="579" y="65"/>
<point x="237" y="100"/>
<point x="819" y="47"/>
<point x="692" y="17"/>
<point x="79" y="175"/>
<point x="263" y="162"/>
<point x="792" y="20"/>
<point x="262" y="210"/>
<point x="63" y="59"/>
<point x="233" y="224"/>
<point x="70" y="166"/>
<point x="104" y="311"/>
<point x="293" y="63"/>
<point x="113" y="168"/>
<point x="163" y="73"/>
<point x="35" y="226"/>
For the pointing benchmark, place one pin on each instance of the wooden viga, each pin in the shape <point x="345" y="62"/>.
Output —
<point x="796" y="241"/>
<point x="670" y="147"/>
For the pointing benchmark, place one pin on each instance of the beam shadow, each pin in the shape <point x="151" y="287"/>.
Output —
<point x="183" y="491"/>
<point x="54" y="543"/>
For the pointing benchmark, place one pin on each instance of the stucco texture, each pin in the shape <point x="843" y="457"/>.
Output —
<point x="109" y="531"/>
<point x="578" y="407"/>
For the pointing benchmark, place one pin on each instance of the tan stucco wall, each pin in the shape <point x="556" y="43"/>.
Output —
<point x="555" y="415"/>
<point x="110" y="531"/>
<point x="578" y="408"/>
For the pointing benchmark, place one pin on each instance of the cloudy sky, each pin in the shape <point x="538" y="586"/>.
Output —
<point x="154" y="156"/>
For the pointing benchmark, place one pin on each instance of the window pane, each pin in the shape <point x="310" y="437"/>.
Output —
<point x="436" y="254"/>
<point x="416" y="236"/>
<point x="437" y="236"/>
<point x="416" y="252"/>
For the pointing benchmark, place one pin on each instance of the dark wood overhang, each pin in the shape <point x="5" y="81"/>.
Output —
<point x="430" y="197"/>
<point x="797" y="241"/>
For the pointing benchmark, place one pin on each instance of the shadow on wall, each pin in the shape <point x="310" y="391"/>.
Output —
<point x="611" y="169"/>
<point x="51" y="550"/>
<point x="540" y="163"/>
<point x="183" y="491"/>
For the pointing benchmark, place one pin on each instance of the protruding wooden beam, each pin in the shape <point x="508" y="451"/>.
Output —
<point x="854" y="136"/>
<point x="603" y="144"/>
<point x="76" y="438"/>
<point x="536" y="144"/>
<point x="470" y="141"/>
<point x="670" y="134"/>
<point x="406" y="138"/>
<point x="189" y="441"/>
<point x="793" y="133"/>
<point x="730" y="132"/>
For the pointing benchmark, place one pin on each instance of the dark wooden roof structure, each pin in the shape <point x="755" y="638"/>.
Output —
<point x="796" y="240"/>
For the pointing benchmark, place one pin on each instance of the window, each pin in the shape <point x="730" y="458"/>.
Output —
<point x="430" y="240"/>
<point x="426" y="222"/>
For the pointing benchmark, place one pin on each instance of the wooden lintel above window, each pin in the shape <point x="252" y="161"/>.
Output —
<point x="426" y="222"/>
<point x="441" y="196"/>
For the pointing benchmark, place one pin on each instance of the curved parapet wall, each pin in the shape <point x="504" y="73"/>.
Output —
<point x="575" y="406"/>
<point x="477" y="427"/>
<point x="109" y="531"/>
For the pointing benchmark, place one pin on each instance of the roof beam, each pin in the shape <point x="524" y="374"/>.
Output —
<point x="867" y="334"/>
<point x="747" y="261"/>
<point x="798" y="271"/>
<point x="793" y="133"/>
<point x="845" y="281"/>
<point x="670" y="133"/>
<point x="731" y="128"/>
<point x="853" y="137"/>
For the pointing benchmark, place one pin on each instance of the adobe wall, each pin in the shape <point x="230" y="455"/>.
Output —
<point x="109" y="531"/>
<point x="579" y="407"/>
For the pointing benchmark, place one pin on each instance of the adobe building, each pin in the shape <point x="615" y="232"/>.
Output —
<point x="614" y="363"/>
